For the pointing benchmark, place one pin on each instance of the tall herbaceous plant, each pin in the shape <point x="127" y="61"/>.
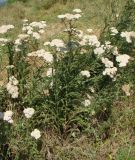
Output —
<point x="60" y="85"/>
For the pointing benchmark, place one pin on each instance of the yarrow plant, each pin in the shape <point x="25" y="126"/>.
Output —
<point x="60" y="84"/>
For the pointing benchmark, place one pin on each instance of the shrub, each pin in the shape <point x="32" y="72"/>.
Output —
<point x="67" y="86"/>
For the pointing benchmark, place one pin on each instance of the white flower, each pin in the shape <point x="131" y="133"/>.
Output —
<point x="122" y="59"/>
<point x="87" y="102"/>
<point x="77" y="16"/>
<point x="115" y="51"/>
<point x="61" y="16"/>
<point x="57" y="43"/>
<point x="117" y="15"/>
<point x="99" y="51"/>
<point x="41" y="31"/>
<point x="47" y="57"/>
<point x="27" y="28"/>
<point x="40" y="25"/>
<point x="36" y="35"/>
<point x="18" y="41"/>
<point x="29" y="32"/>
<point x="92" y="40"/>
<point x="69" y="16"/>
<point x="5" y="28"/>
<point x="108" y="45"/>
<point x="90" y="30"/>
<point x="126" y="89"/>
<point x="36" y="134"/>
<point x="85" y="73"/>
<point x="42" y="53"/>
<point x="107" y="62"/>
<point x="28" y="112"/>
<point x="110" y="72"/>
<point x="128" y="35"/>
<point x="47" y="43"/>
<point x="114" y="31"/>
<point x="23" y="36"/>
<point x="8" y="116"/>
<point x="49" y="72"/>
<point x="77" y="10"/>
<point x="25" y="20"/>
<point x="12" y="87"/>
<point x="13" y="80"/>
<point x="92" y="89"/>
<point x="3" y="41"/>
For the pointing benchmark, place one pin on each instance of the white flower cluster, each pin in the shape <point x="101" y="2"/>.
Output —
<point x="28" y="112"/>
<point x="4" y="28"/>
<point x="47" y="56"/>
<point x="49" y="72"/>
<point x="85" y="73"/>
<point x="110" y="70"/>
<point x="3" y="41"/>
<point x="8" y="116"/>
<point x="87" y="101"/>
<point x="91" y="40"/>
<point x="114" y="31"/>
<point x="126" y="89"/>
<point x="19" y="40"/>
<point x="122" y="59"/>
<point x="58" y="43"/>
<point x="107" y="62"/>
<point x="36" y="134"/>
<point x="12" y="87"/>
<point x="99" y="50"/>
<point x="71" y="17"/>
<point x="34" y="29"/>
<point x="128" y="35"/>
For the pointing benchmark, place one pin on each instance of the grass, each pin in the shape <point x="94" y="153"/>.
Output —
<point x="119" y="144"/>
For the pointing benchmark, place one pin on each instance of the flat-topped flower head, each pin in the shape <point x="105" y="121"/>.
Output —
<point x="40" y="25"/>
<point x="69" y="16"/>
<point x="85" y="73"/>
<point x="12" y="87"/>
<point x="87" y="102"/>
<point x="90" y="30"/>
<point x="4" y="41"/>
<point x="47" y="43"/>
<point x="8" y="116"/>
<point x="47" y="56"/>
<point x="36" y="35"/>
<point x="36" y="134"/>
<point x="77" y="10"/>
<point x="114" y="31"/>
<point x="128" y="35"/>
<point x="99" y="51"/>
<point x="28" y="112"/>
<point x="57" y="43"/>
<point x="107" y="62"/>
<point x="126" y="89"/>
<point x="122" y="59"/>
<point x="62" y="16"/>
<point x="49" y="72"/>
<point x="111" y="72"/>
<point x="4" y="28"/>
<point x="92" y="40"/>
